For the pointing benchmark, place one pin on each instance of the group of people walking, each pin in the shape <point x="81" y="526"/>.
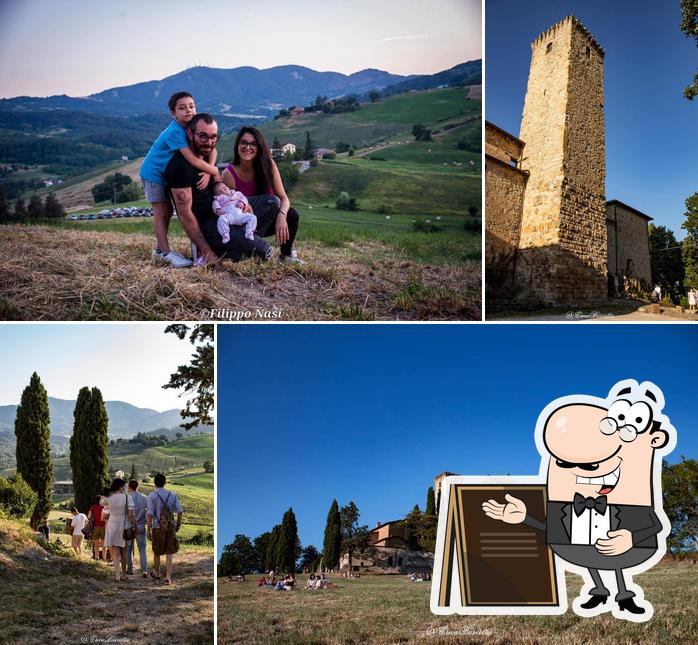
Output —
<point x="119" y="519"/>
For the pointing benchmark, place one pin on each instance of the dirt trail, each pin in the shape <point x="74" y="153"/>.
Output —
<point x="54" y="599"/>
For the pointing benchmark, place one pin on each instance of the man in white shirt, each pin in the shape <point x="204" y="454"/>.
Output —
<point x="78" y="523"/>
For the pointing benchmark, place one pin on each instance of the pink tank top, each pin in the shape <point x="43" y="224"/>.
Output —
<point x="247" y="188"/>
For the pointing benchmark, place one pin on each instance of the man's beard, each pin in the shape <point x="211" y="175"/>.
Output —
<point x="198" y="151"/>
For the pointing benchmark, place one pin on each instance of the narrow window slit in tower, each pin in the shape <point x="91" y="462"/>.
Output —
<point x="549" y="48"/>
<point x="588" y="52"/>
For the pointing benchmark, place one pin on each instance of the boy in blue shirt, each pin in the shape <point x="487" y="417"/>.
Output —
<point x="152" y="173"/>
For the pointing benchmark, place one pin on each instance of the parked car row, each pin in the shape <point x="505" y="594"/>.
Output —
<point x="107" y="213"/>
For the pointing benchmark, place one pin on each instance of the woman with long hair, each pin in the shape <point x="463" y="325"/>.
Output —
<point x="118" y="506"/>
<point x="254" y="173"/>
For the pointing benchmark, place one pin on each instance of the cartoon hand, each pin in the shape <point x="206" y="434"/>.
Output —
<point x="514" y="512"/>
<point x="618" y="542"/>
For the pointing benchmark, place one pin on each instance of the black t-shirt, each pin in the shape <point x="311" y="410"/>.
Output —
<point x="181" y="174"/>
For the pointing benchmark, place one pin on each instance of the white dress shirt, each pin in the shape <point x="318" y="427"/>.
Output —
<point x="590" y="526"/>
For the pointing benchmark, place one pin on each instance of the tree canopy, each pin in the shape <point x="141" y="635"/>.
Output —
<point x="196" y="378"/>
<point x="332" y="542"/>
<point x="689" y="26"/>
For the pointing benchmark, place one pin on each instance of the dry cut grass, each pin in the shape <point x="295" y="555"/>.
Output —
<point x="384" y="610"/>
<point x="53" y="599"/>
<point x="57" y="274"/>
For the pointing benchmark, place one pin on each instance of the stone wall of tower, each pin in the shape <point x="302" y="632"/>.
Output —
<point x="563" y="244"/>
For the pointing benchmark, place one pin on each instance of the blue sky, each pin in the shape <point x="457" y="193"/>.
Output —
<point x="651" y="133"/>
<point x="307" y="413"/>
<point x="86" y="46"/>
<point x="126" y="362"/>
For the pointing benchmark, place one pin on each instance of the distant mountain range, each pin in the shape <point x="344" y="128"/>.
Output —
<point x="125" y="420"/>
<point x="243" y="92"/>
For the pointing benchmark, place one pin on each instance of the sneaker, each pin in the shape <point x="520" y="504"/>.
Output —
<point x="177" y="260"/>
<point x="291" y="259"/>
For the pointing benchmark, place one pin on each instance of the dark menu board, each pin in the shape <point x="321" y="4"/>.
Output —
<point x="498" y="564"/>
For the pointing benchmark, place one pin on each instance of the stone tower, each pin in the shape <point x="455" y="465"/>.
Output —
<point x="563" y="248"/>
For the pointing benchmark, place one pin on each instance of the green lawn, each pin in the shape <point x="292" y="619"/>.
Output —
<point x="383" y="610"/>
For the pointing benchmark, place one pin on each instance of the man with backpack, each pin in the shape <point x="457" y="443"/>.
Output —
<point x="162" y="526"/>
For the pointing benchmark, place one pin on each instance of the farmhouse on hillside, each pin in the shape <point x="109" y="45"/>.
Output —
<point x="388" y="552"/>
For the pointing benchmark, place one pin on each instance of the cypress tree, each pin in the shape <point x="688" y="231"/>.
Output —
<point x="52" y="207"/>
<point x="412" y="525"/>
<point x="309" y="150"/>
<point x="33" y="451"/>
<point x="20" y="213"/>
<point x="287" y="548"/>
<point x="431" y="502"/>
<point x="133" y="469"/>
<point x="89" y="457"/>
<point x="4" y="208"/>
<point x="332" y="543"/>
<point x="35" y="209"/>
<point x="270" y="558"/>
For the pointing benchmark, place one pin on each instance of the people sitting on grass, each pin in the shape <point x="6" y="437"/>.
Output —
<point x="262" y="581"/>
<point x="310" y="583"/>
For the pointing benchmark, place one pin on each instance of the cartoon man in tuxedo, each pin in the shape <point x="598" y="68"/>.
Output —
<point x="604" y="510"/>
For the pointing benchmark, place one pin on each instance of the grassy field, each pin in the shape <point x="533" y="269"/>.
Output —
<point x="50" y="598"/>
<point x="373" y="123"/>
<point x="383" y="610"/>
<point x="376" y="263"/>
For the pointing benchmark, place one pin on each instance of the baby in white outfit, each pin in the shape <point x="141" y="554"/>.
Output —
<point x="228" y="205"/>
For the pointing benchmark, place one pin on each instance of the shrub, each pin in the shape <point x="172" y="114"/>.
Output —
<point x="17" y="499"/>
<point x="289" y="174"/>
<point x="329" y="155"/>
<point x="684" y="302"/>
<point x="473" y="225"/>
<point x="425" y="226"/>
<point x="346" y="202"/>
<point x="384" y="209"/>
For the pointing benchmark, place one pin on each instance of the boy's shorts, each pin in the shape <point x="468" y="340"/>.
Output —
<point x="164" y="542"/>
<point x="154" y="192"/>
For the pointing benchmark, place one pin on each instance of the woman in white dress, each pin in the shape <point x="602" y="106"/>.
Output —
<point x="118" y="506"/>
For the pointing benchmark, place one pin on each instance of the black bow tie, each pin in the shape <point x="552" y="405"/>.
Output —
<point x="582" y="503"/>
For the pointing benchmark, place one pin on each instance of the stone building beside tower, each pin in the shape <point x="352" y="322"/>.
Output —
<point x="546" y="215"/>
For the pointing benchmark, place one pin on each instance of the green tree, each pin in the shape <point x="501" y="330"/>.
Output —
<point x="17" y="498"/>
<point x="35" y="209"/>
<point x="309" y="559"/>
<point x="665" y="257"/>
<point x="4" y="208"/>
<point x="345" y="202"/>
<point x="238" y="558"/>
<point x="89" y="456"/>
<point x="354" y="536"/>
<point x="52" y="207"/>
<point x="208" y="466"/>
<point x="680" y="496"/>
<point x="276" y="144"/>
<point x="431" y="502"/>
<point x="33" y="451"/>
<point x="261" y="545"/>
<point x="129" y="193"/>
<point x="472" y="211"/>
<point x="421" y="133"/>
<point x="689" y="26"/>
<point x="289" y="174"/>
<point x="133" y="473"/>
<point x="332" y="542"/>
<point x="196" y="378"/>
<point x="20" y="212"/>
<point x="108" y="189"/>
<point x="412" y="528"/>
<point x="689" y="246"/>
<point x="286" y="550"/>
<point x="309" y="149"/>
<point x="374" y="96"/>
<point x="270" y="558"/>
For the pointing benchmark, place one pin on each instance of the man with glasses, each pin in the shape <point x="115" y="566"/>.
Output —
<point x="195" y="206"/>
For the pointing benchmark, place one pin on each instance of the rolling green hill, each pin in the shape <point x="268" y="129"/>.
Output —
<point x="187" y="452"/>
<point x="372" y="124"/>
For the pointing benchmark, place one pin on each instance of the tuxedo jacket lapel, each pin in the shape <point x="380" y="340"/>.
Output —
<point x="615" y="517"/>
<point x="566" y="519"/>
